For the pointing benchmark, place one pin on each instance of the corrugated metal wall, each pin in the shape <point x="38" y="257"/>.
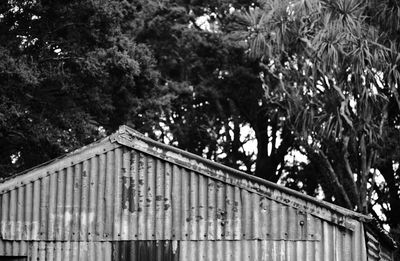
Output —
<point x="65" y="251"/>
<point x="123" y="194"/>
<point x="375" y="250"/>
<point x="263" y="250"/>
<point x="126" y="195"/>
<point x="14" y="248"/>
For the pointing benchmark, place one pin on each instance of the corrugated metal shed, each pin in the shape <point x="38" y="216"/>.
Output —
<point x="379" y="244"/>
<point x="128" y="197"/>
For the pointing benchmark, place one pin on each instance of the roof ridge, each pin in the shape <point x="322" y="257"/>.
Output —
<point x="129" y="137"/>
<point x="135" y="134"/>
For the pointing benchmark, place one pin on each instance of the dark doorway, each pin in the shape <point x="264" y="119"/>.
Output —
<point x="149" y="250"/>
<point x="13" y="258"/>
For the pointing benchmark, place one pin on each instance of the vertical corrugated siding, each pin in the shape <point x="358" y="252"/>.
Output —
<point x="339" y="248"/>
<point x="373" y="247"/>
<point x="335" y="245"/>
<point x="375" y="250"/>
<point x="125" y="195"/>
<point x="60" y="251"/>
<point x="14" y="248"/>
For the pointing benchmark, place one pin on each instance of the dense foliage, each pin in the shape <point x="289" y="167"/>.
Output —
<point x="311" y="77"/>
<point x="65" y="70"/>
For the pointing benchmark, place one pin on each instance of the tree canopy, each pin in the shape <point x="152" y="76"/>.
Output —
<point x="312" y="77"/>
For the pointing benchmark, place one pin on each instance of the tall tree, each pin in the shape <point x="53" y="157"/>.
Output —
<point x="331" y="66"/>
<point x="67" y="69"/>
<point x="217" y="86"/>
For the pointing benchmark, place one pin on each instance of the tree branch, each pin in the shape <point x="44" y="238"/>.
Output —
<point x="348" y="171"/>
<point x="363" y="175"/>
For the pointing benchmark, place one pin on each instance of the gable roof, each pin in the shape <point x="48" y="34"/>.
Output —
<point x="128" y="137"/>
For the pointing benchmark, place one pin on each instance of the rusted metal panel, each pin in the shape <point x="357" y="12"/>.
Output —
<point x="13" y="248"/>
<point x="70" y="251"/>
<point x="324" y="210"/>
<point x="149" y="250"/>
<point x="45" y="169"/>
<point x="339" y="248"/>
<point x="114" y="192"/>
<point x="375" y="250"/>
<point x="124" y="194"/>
<point x="335" y="246"/>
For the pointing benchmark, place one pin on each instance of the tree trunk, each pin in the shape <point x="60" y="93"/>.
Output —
<point x="321" y="160"/>
<point x="363" y="176"/>
<point x="267" y="163"/>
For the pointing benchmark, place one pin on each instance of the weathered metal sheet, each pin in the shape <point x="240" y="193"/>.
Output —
<point x="14" y="248"/>
<point x="335" y="246"/>
<point x="375" y="250"/>
<point x="127" y="195"/>
<point x="131" y="138"/>
<point x="152" y="250"/>
<point x="79" y="205"/>
<point x="253" y="250"/>
<point x="70" y="251"/>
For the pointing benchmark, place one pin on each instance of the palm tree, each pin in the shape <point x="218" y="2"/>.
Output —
<point x="331" y="67"/>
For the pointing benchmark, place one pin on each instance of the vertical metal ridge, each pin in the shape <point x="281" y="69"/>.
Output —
<point x="220" y="209"/>
<point x="211" y="212"/>
<point x="193" y="206"/>
<point x="229" y="205"/>
<point x="127" y="190"/>
<point x="92" y="197"/>
<point x="67" y="212"/>
<point x="20" y="211"/>
<point x="167" y="202"/>
<point x="203" y="206"/>
<point x="176" y="202"/>
<point x="150" y="206"/>
<point x="60" y="204"/>
<point x="51" y="215"/>
<point x="84" y="201"/>
<point x="159" y="196"/>
<point x="116" y="195"/>
<point x="134" y="195"/>
<point x="76" y="200"/>
<point x="100" y="215"/>
<point x="185" y="200"/>
<point x="142" y="182"/>
<point x="108" y="195"/>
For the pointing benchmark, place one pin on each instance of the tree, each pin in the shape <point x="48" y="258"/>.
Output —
<point x="69" y="73"/>
<point x="217" y="87"/>
<point x="315" y="76"/>
<point x="331" y="66"/>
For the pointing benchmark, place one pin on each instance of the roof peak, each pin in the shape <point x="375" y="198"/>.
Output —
<point x="131" y="138"/>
